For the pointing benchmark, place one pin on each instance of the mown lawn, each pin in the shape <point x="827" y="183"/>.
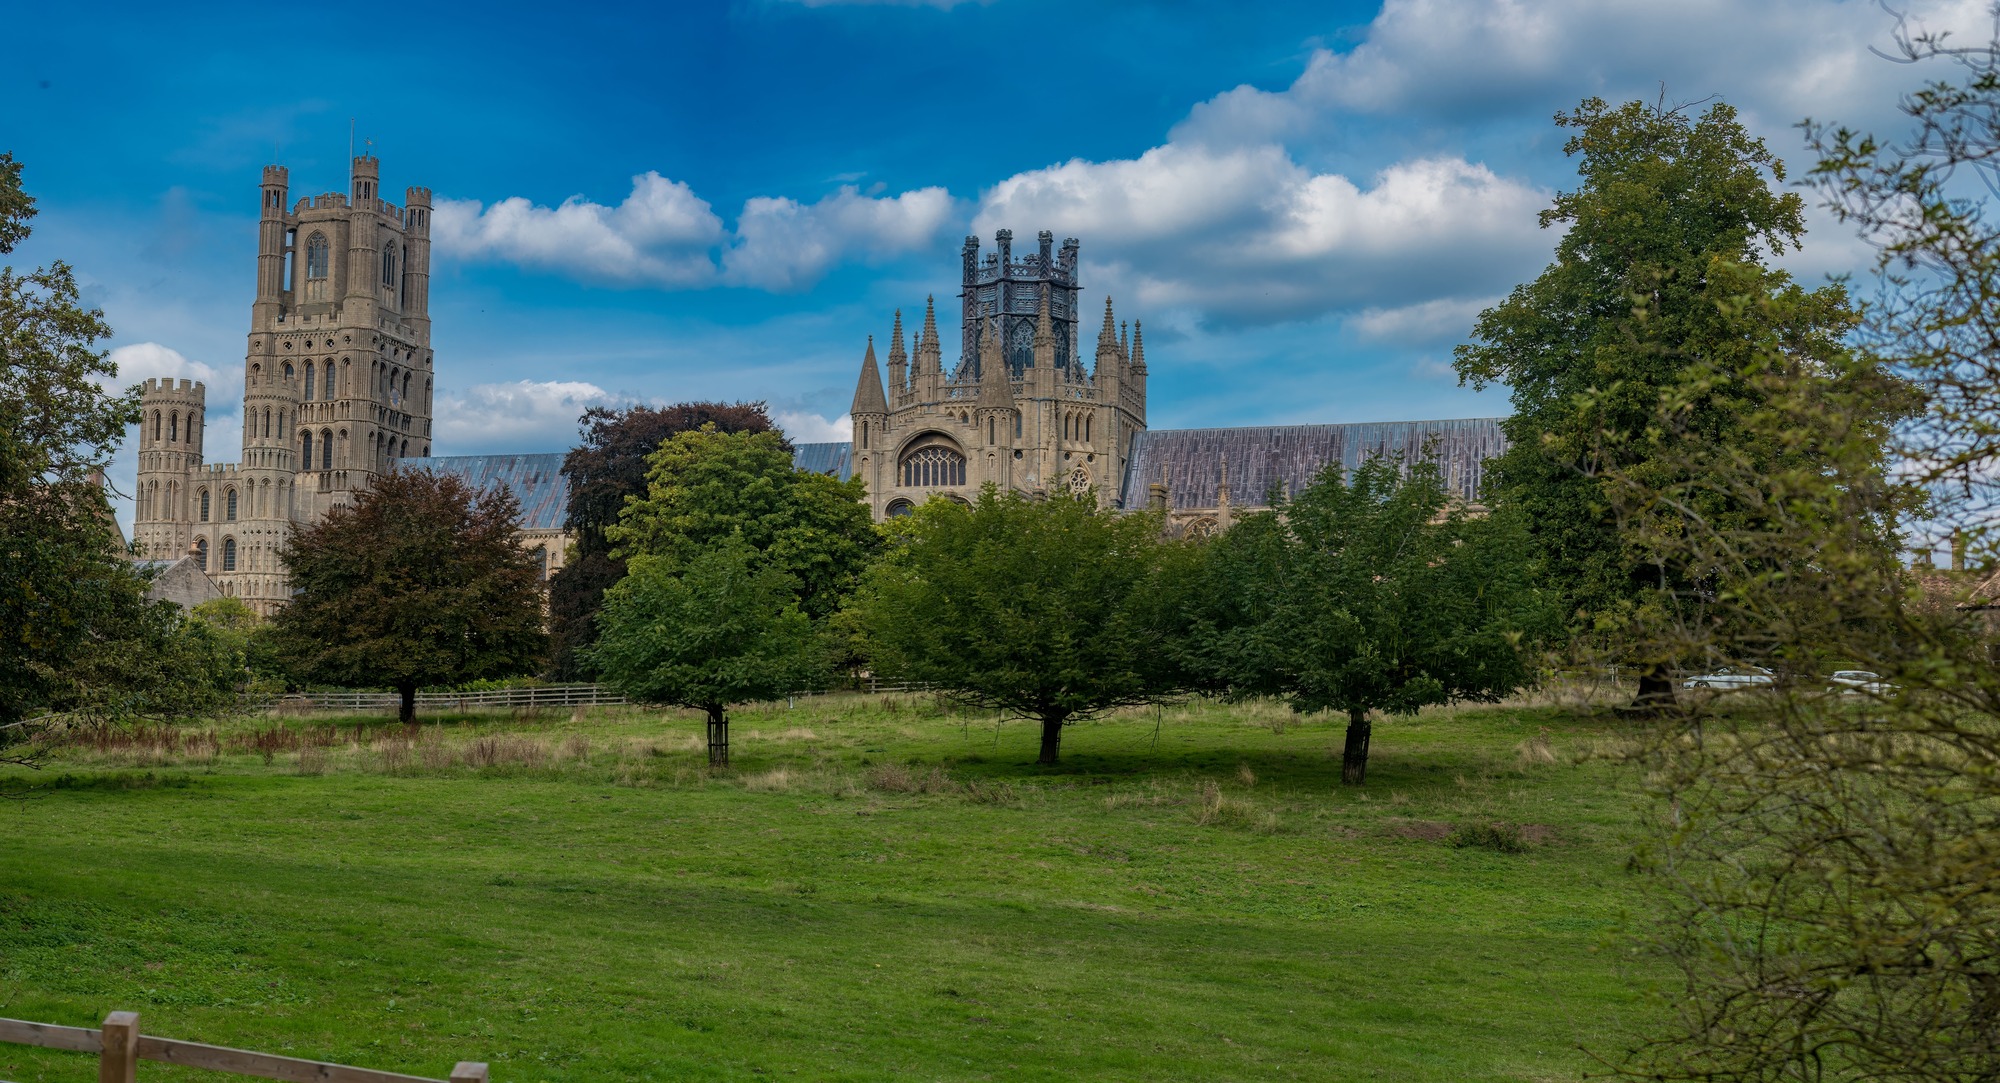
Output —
<point x="870" y="893"/>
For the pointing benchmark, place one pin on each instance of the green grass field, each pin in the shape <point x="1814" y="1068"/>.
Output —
<point x="876" y="890"/>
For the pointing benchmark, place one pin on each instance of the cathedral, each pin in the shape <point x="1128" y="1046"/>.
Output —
<point x="339" y="377"/>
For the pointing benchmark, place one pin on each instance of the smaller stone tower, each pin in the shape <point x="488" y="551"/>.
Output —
<point x="170" y="434"/>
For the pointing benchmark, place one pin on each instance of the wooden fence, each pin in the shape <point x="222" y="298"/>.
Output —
<point x="555" y="695"/>
<point x="120" y="1047"/>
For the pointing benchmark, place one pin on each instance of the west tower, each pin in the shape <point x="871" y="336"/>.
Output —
<point x="338" y="377"/>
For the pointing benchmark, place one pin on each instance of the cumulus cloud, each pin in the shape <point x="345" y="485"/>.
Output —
<point x="1426" y="321"/>
<point x="782" y="244"/>
<point x="526" y="415"/>
<point x="1247" y="234"/>
<point x="662" y="234"/>
<point x="809" y="428"/>
<point x="140" y="361"/>
<point x="1468" y="59"/>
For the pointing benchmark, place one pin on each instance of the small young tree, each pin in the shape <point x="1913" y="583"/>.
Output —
<point x="722" y="628"/>
<point x="420" y="582"/>
<point x="1038" y="608"/>
<point x="1370" y="594"/>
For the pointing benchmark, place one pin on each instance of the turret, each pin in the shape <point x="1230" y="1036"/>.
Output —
<point x="416" y="299"/>
<point x="870" y="411"/>
<point x="173" y="415"/>
<point x="899" y="362"/>
<point x="271" y="241"/>
<point x="1045" y="375"/>
<point x="1138" y="366"/>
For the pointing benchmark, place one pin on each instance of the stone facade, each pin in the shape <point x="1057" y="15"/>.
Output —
<point x="337" y="386"/>
<point x="1019" y="409"/>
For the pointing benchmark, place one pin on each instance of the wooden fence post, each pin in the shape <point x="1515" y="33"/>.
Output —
<point x="469" y="1071"/>
<point x="119" y="1063"/>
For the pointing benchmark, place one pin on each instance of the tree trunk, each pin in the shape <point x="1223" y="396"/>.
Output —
<point x="408" y="712"/>
<point x="1656" y="690"/>
<point x="718" y="736"/>
<point x="1354" y="758"/>
<point x="1051" y="740"/>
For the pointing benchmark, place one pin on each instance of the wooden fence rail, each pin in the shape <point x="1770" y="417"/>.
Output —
<point x="120" y="1047"/>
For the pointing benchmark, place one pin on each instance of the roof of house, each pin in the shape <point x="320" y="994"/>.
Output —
<point x="1290" y="456"/>
<point x="537" y="481"/>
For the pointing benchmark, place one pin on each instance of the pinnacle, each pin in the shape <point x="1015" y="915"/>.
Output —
<point x="868" y="396"/>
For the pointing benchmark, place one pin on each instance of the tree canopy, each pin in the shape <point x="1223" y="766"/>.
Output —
<point x="606" y="468"/>
<point x="1369" y="594"/>
<point x="1040" y="608"/>
<point x="721" y="628"/>
<point x="421" y="581"/>
<point x="707" y="486"/>
<point x="1661" y="270"/>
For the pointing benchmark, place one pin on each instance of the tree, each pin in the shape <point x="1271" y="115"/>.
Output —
<point x="1040" y="608"/>
<point x="721" y="628"/>
<point x="1370" y="594"/>
<point x="1633" y="300"/>
<point x="605" y="469"/>
<point x="707" y="486"/>
<point x="421" y="581"/>
<point x="62" y="581"/>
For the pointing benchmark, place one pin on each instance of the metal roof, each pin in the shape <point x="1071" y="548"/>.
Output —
<point x="835" y="458"/>
<point x="1292" y="455"/>
<point x="537" y="481"/>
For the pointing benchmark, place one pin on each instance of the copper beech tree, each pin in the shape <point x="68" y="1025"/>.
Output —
<point x="422" y="581"/>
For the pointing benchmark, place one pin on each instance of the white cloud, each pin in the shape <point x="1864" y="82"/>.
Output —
<point x="140" y="361"/>
<point x="526" y="415"/>
<point x="1247" y="234"/>
<point x="809" y="428"/>
<point x="662" y="234"/>
<point x="782" y="244"/>
<point x="1426" y="321"/>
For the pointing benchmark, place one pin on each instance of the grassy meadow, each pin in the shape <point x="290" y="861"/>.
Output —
<point x="877" y="889"/>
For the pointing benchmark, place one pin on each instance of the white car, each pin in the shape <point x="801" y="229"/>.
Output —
<point x="1727" y="678"/>
<point x="1858" y="682"/>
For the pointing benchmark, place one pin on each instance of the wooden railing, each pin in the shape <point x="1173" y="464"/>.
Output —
<point x="555" y="695"/>
<point x="120" y="1047"/>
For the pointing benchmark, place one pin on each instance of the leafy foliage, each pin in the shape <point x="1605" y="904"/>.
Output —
<point x="708" y="486"/>
<point x="722" y="628"/>
<point x="1659" y="271"/>
<point x="1370" y="594"/>
<point x="607" y="468"/>
<point x="420" y="582"/>
<point x="1043" y="609"/>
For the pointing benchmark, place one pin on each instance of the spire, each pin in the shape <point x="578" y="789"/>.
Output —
<point x="1124" y="341"/>
<point x="929" y="351"/>
<point x="899" y="377"/>
<point x="1045" y="334"/>
<point x="896" y="339"/>
<point x="1107" y="345"/>
<point x="1222" y="491"/>
<point x="1138" y="348"/>
<point x="996" y="389"/>
<point x="868" y="390"/>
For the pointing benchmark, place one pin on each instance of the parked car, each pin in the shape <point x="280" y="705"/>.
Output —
<point x="1855" y="682"/>
<point x="1728" y="678"/>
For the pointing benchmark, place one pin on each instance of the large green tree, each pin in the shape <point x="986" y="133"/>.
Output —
<point x="605" y="469"/>
<point x="1661" y="269"/>
<point x="63" y="583"/>
<point x="720" y="628"/>
<point x="1045" y="609"/>
<point x="421" y="581"/>
<point x="709" y="486"/>
<point x="1366" y="594"/>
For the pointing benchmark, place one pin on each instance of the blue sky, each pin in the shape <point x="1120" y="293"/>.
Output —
<point x="1307" y="203"/>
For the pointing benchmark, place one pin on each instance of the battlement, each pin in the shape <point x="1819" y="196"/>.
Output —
<point x="1046" y="264"/>
<point x="416" y="197"/>
<point x="164" y="385"/>
<point x="277" y="174"/>
<point x="222" y="471"/>
<point x="326" y="201"/>
<point x="367" y="165"/>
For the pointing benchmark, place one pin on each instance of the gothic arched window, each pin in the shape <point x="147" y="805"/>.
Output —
<point x="306" y="443"/>
<point x="201" y="552"/>
<point x="327" y="391"/>
<point x="229" y="505"/>
<point x="316" y="256"/>
<point x="325" y="449"/>
<point x="229" y="554"/>
<point x="288" y="370"/>
<point x="309" y="380"/>
<point x="933" y="465"/>
<point x="899" y="508"/>
<point x="174" y="426"/>
<point x="204" y="505"/>
<point x="156" y="426"/>
<point x="389" y="264"/>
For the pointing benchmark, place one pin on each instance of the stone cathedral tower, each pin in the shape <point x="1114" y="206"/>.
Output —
<point x="1019" y="409"/>
<point x="336" y="389"/>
